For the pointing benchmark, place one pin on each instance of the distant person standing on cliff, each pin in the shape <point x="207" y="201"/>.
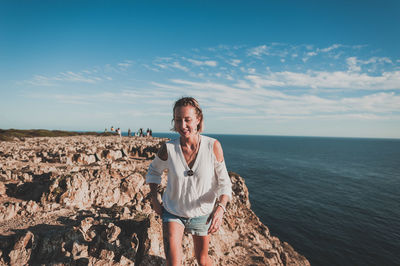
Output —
<point x="119" y="132"/>
<point x="198" y="185"/>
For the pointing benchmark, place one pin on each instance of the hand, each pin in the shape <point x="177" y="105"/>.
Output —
<point x="216" y="220"/>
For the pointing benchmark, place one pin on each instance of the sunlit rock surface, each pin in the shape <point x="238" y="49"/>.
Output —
<point x="83" y="200"/>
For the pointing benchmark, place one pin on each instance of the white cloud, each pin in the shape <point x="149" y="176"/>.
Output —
<point x="177" y="65"/>
<point x="330" y="48"/>
<point x="78" y="77"/>
<point x="162" y="66"/>
<point x="382" y="102"/>
<point x="356" y="64"/>
<point x="258" y="51"/>
<point x="236" y="85"/>
<point x="125" y="65"/>
<point x="210" y="63"/>
<point x="235" y="62"/>
<point x="165" y="63"/>
<point x="352" y="63"/>
<point x="229" y="77"/>
<point x="230" y="110"/>
<point x="332" y="80"/>
<point x="259" y="81"/>
<point x="88" y="76"/>
<point x="231" y="100"/>
<point x="318" y="51"/>
<point x="374" y="106"/>
<point x="69" y="76"/>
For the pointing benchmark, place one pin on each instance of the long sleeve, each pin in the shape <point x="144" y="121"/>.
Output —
<point x="223" y="179"/>
<point x="155" y="171"/>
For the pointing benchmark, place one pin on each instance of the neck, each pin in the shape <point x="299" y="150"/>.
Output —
<point x="191" y="140"/>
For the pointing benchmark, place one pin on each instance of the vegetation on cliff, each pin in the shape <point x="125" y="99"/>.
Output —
<point x="10" y="134"/>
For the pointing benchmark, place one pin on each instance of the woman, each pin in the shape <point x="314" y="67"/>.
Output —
<point x="197" y="177"/>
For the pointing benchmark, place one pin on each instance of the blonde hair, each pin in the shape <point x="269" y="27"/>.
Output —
<point x="189" y="101"/>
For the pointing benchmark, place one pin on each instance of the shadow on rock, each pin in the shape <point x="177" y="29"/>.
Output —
<point x="30" y="190"/>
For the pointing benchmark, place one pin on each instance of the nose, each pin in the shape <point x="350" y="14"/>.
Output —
<point x="183" y="124"/>
<point x="180" y="124"/>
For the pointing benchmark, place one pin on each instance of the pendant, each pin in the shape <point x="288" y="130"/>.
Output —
<point x="190" y="172"/>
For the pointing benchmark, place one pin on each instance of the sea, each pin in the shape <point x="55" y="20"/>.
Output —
<point x="334" y="200"/>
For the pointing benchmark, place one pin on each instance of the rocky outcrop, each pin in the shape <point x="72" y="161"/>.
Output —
<point x="83" y="200"/>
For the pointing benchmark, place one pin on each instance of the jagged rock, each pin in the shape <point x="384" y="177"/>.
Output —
<point x="9" y="210"/>
<point x="32" y="207"/>
<point x="76" y="194"/>
<point x="81" y="158"/>
<point x="112" y="155"/>
<point x="2" y="189"/>
<point x="153" y="244"/>
<point x="112" y="232"/>
<point x="79" y="251"/>
<point x="22" y="250"/>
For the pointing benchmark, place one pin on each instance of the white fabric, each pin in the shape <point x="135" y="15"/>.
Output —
<point x="191" y="196"/>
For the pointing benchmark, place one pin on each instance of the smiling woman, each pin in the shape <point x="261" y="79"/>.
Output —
<point x="198" y="185"/>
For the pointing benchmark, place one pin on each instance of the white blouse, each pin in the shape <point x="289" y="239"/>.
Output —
<point x="191" y="196"/>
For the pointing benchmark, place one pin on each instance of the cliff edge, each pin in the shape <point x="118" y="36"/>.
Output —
<point x="83" y="200"/>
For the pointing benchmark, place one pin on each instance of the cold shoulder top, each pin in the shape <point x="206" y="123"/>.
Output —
<point x="191" y="196"/>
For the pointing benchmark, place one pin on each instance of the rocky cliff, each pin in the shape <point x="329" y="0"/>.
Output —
<point x="83" y="201"/>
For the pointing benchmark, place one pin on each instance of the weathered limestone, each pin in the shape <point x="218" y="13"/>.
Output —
<point x="83" y="200"/>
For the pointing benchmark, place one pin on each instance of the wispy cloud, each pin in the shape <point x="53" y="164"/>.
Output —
<point x="123" y="66"/>
<point x="86" y="76"/>
<point x="330" y="48"/>
<point x="331" y="80"/>
<point x="235" y="62"/>
<point x="274" y="81"/>
<point x="169" y="64"/>
<point x="69" y="76"/>
<point x="209" y="63"/>
<point x="258" y="51"/>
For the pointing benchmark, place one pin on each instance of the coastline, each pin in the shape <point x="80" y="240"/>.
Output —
<point x="83" y="198"/>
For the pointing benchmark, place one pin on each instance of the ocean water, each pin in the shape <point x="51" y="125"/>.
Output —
<point x="335" y="200"/>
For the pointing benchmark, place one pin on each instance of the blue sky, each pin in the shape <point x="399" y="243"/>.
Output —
<point x="308" y="68"/>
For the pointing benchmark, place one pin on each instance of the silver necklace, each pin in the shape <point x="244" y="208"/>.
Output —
<point x="190" y="172"/>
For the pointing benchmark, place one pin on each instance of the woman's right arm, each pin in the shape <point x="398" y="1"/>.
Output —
<point x="155" y="198"/>
<point x="153" y="177"/>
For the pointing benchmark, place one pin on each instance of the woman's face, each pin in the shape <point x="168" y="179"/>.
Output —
<point x="186" y="121"/>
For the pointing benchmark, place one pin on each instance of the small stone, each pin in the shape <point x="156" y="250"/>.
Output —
<point x="113" y="232"/>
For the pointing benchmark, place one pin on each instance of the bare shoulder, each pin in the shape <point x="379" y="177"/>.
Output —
<point x="218" y="152"/>
<point x="162" y="152"/>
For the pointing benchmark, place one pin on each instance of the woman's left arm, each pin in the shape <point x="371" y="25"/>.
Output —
<point x="224" y="187"/>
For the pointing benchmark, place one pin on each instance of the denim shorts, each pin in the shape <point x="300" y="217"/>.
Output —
<point x="196" y="226"/>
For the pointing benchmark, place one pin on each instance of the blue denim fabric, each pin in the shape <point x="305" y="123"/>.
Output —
<point x="196" y="226"/>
